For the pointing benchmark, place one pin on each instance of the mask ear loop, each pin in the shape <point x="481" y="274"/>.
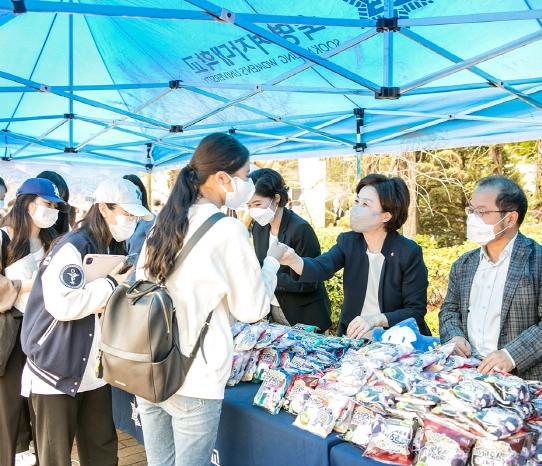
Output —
<point x="504" y="229"/>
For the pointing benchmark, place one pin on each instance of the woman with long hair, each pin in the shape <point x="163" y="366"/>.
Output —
<point x="26" y="235"/>
<point x="221" y="278"/>
<point x="64" y="221"/>
<point x="61" y="331"/>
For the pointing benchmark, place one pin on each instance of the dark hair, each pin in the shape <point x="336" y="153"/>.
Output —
<point x="137" y="181"/>
<point x="97" y="228"/>
<point x="20" y="222"/>
<point x="511" y="197"/>
<point x="268" y="183"/>
<point x="3" y="184"/>
<point x="216" y="152"/>
<point x="393" y="195"/>
<point x="62" y="225"/>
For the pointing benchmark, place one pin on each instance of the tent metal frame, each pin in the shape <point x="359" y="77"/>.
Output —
<point x="124" y="120"/>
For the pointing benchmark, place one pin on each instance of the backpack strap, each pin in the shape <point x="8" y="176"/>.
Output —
<point x="204" y="228"/>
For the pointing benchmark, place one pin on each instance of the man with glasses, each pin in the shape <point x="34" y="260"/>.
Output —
<point x="493" y="307"/>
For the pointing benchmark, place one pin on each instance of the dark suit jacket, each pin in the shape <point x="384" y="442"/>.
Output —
<point x="305" y="303"/>
<point x="403" y="285"/>
<point x="521" y="315"/>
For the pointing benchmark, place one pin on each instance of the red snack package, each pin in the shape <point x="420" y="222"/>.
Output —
<point x="444" y="444"/>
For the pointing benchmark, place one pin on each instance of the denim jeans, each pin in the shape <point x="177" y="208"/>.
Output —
<point x="180" y="431"/>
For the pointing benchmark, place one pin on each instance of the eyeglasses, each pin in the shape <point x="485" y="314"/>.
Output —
<point x="482" y="212"/>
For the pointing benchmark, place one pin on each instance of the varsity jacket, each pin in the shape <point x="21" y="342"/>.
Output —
<point x="58" y="326"/>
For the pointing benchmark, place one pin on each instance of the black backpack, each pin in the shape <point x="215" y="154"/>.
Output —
<point x="139" y="348"/>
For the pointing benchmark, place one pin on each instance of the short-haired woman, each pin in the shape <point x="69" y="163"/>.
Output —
<point x="385" y="277"/>
<point x="294" y="302"/>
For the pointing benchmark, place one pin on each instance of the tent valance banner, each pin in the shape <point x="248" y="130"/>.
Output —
<point x="138" y="83"/>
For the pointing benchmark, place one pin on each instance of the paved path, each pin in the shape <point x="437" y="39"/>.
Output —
<point x="130" y="452"/>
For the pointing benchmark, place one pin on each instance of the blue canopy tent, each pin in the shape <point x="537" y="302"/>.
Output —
<point x="139" y="82"/>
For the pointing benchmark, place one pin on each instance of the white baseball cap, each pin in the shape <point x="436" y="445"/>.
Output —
<point x="123" y="193"/>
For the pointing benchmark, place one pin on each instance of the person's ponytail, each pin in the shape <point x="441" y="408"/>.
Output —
<point x="216" y="152"/>
<point x="168" y="234"/>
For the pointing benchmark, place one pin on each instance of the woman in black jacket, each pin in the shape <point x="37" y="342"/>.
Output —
<point x="295" y="302"/>
<point x="385" y="277"/>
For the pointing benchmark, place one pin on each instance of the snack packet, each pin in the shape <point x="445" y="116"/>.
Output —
<point x="345" y="416"/>
<point x="237" y="363"/>
<point x="510" y="389"/>
<point x="361" y="426"/>
<point x="248" y="337"/>
<point x="478" y="394"/>
<point x="251" y="365"/>
<point x="508" y="452"/>
<point x="499" y="422"/>
<point x="391" y="442"/>
<point x="299" y="392"/>
<point x="269" y="359"/>
<point x="320" y="413"/>
<point x="237" y="327"/>
<point x="270" y="395"/>
<point x="306" y="328"/>
<point x="444" y="444"/>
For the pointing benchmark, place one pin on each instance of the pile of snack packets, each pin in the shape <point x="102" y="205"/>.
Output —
<point x="401" y="407"/>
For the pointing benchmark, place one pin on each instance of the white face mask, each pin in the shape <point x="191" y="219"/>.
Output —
<point x="241" y="194"/>
<point x="44" y="217"/>
<point x="364" y="219"/>
<point x="2" y="203"/>
<point x="480" y="232"/>
<point x="263" y="216"/>
<point x="124" y="228"/>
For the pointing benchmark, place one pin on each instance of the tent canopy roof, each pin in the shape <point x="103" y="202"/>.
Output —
<point x="139" y="82"/>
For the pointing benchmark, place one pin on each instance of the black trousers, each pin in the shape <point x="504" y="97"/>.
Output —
<point x="15" y="432"/>
<point x="88" y="418"/>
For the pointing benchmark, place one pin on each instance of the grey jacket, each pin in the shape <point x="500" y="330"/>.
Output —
<point x="521" y="317"/>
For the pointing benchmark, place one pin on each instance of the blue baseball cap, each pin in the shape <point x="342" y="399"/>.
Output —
<point x="45" y="189"/>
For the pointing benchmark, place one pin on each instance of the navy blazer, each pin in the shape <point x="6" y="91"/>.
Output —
<point x="403" y="285"/>
<point x="305" y="303"/>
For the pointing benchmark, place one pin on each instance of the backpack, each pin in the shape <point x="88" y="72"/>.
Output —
<point x="139" y="350"/>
